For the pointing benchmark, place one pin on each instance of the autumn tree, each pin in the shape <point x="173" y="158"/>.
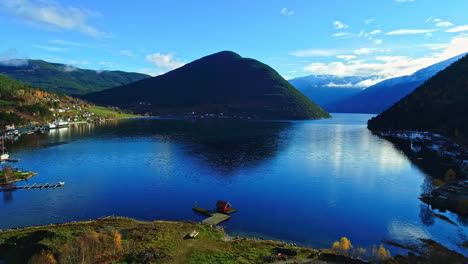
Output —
<point x="450" y="175"/>
<point x="343" y="245"/>
<point x="380" y="252"/>
<point x="42" y="258"/>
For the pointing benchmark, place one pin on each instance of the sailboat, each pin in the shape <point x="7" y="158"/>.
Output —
<point x="4" y="155"/>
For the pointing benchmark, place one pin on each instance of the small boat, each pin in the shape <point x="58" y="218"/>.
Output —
<point x="61" y="183"/>
<point x="60" y="123"/>
<point x="4" y="156"/>
<point x="50" y="126"/>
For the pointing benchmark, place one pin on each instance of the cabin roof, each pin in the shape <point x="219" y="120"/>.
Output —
<point x="222" y="204"/>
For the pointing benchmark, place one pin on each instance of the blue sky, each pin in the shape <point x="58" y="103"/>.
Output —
<point x="341" y="37"/>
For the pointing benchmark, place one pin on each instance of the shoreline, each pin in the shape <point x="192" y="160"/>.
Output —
<point x="448" y="158"/>
<point x="126" y="240"/>
<point x="212" y="238"/>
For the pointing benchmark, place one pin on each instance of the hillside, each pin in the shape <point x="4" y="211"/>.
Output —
<point x="60" y="78"/>
<point x="381" y="96"/>
<point x="440" y="104"/>
<point x="220" y="83"/>
<point x="22" y="104"/>
<point x="326" y="89"/>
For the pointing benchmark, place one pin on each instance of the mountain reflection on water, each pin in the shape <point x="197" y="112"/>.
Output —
<point x="309" y="182"/>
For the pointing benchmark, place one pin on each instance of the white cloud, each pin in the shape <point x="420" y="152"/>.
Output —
<point x="369" y="82"/>
<point x="346" y="57"/>
<point x="339" y="25"/>
<point x="368" y="21"/>
<point x="345" y="85"/>
<point x="390" y="58"/>
<point x="127" y="53"/>
<point x="457" y="46"/>
<point x="343" y="35"/>
<point x="378" y="41"/>
<point x="79" y="62"/>
<point x="108" y="65"/>
<point x="375" y="32"/>
<point x="316" y="52"/>
<point x="410" y="31"/>
<point x="439" y="22"/>
<point x="51" y="48"/>
<point x="362" y="68"/>
<point x="458" y="29"/>
<point x="436" y="46"/>
<point x="71" y="43"/>
<point x="51" y="14"/>
<point x="363" y="51"/>
<point x="151" y="72"/>
<point x="444" y="24"/>
<point x="165" y="62"/>
<point x="392" y="66"/>
<point x="286" y="12"/>
<point x="69" y="68"/>
<point x="11" y="57"/>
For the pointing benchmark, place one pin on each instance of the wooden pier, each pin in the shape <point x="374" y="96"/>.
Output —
<point x="214" y="217"/>
<point x="34" y="186"/>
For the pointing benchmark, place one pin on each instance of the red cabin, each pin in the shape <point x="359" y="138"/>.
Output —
<point x="223" y="206"/>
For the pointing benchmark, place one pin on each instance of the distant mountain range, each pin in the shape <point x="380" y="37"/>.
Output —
<point x="65" y="79"/>
<point x="440" y="104"/>
<point x="381" y="96"/>
<point x="219" y="83"/>
<point x="326" y="89"/>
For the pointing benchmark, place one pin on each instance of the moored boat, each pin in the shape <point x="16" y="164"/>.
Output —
<point x="60" y="123"/>
<point x="3" y="156"/>
<point x="50" y="126"/>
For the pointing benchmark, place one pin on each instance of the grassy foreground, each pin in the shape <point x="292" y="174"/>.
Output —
<point x="122" y="240"/>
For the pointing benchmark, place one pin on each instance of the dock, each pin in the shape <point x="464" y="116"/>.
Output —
<point x="34" y="186"/>
<point x="214" y="217"/>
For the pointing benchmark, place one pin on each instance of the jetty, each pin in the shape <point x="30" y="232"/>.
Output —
<point x="34" y="186"/>
<point x="223" y="213"/>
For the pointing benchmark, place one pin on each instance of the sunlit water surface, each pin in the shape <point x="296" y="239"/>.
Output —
<point x="309" y="182"/>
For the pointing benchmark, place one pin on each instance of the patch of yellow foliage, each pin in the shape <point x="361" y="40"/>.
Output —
<point x="344" y="244"/>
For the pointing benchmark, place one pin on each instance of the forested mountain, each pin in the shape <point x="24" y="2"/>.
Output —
<point x="22" y="103"/>
<point x="381" y="96"/>
<point x="440" y="104"/>
<point x="219" y="83"/>
<point x="66" y="79"/>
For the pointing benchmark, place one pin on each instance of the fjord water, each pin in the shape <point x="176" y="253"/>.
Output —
<point x="309" y="182"/>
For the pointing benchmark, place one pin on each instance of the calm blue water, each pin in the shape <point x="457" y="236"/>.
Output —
<point x="309" y="182"/>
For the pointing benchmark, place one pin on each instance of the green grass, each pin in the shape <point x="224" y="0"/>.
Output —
<point x="106" y="112"/>
<point x="20" y="175"/>
<point x="124" y="240"/>
<point x="163" y="238"/>
<point x="4" y="103"/>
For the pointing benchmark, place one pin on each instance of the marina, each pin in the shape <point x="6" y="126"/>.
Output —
<point x="34" y="186"/>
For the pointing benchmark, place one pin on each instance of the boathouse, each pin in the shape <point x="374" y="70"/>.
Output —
<point x="223" y="207"/>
